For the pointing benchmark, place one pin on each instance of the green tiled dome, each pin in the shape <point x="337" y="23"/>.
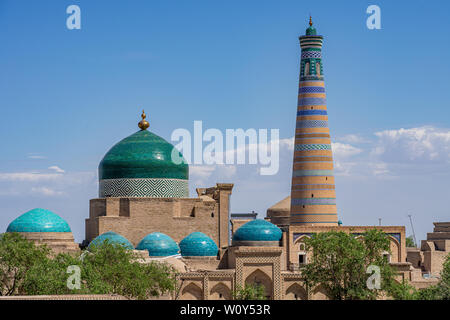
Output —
<point x="198" y="244"/>
<point x="142" y="155"/>
<point x="258" y="230"/>
<point x="39" y="220"/>
<point x="113" y="238"/>
<point x="158" y="245"/>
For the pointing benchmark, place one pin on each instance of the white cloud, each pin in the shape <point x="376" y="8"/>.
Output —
<point x="57" y="169"/>
<point x="46" y="191"/>
<point x="36" y="156"/>
<point x="422" y="144"/>
<point x="29" y="176"/>
<point x="342" y="150"/>
<point x="353" y="138"/>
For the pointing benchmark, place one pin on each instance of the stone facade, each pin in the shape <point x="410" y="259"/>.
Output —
<point x="429" y="258"/>
<point x="134" y="218"/>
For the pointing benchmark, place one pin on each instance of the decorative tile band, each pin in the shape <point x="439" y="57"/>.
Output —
<point x="311" y="90"/>
<point x="311" y="54"/>
<point x="304" y="147"/>
<point x="312" y="101"/>
<point x="313" y="201"/>
<point x="308" y="173"/>
<point x="312" y="113"/>
<point x="312" y="124"/>
<point x="148" y="187"/>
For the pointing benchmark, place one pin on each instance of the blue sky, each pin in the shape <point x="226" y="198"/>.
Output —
<point x="66" y="96"/>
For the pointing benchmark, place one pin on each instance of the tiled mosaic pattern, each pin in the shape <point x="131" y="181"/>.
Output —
<point x="158" y="245"/>
<point x="111" y="237"/>
<point x="155" y="188"/>
<point x="313" y="198"/>
<point x="198" y="244"/>
<point x="141" y="165"/>
<point x="258" y="230"/>
<point x="39" y="220"/>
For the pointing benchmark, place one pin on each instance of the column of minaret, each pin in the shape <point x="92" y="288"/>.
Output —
<point x="313" y="197"/>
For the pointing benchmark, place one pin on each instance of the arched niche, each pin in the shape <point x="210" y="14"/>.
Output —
<point x="296" y="292"/>
<point x="220" y="292"/>
<point x="258" y="277"/>
<point x="191" y="292"/>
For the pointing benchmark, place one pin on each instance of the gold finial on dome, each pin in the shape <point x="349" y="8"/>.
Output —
<point x="310" y="21"/>
<point x="143" y="124"/>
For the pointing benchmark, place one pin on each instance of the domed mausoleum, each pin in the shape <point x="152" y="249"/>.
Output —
<point x="257" y="233"/>
<point x="158" y="245"/>
<point x="45" y="226"/>
<point x="111" y="237"/>
<point x="143" y="188"/>
<point x="198" y="244"/>
<point x="143" y="165"/>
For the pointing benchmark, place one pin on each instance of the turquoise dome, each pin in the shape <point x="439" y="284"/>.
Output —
<point x="142" y="155"/>
<point x="113" y="238"/>
<point x="158" y="245"/>
<point x="198" y="244"/>
<point x="258" y="230"/>
<point x="39" y="220"/>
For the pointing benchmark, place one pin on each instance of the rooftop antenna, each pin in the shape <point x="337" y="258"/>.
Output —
<point x="412" y="227"/>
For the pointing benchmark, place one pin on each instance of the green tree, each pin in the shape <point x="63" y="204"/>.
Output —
<point x="29" y="269"/>
<point x="17" y="257"/>
<point x="440" y="291"/>
<point x="250" y="292"/>
<point x="339" y="263"/>
<point x="410" y="242"/>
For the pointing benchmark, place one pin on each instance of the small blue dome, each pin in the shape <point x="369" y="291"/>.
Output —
<point x="158" y="245"/>
<point x="198" y="244"/>
<point x="258" y="230"/>
<point x="111" y="237"/>
<point x="39" y="220"/>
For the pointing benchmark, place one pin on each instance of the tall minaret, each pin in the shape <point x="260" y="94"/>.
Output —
<point x="313" y="197"/>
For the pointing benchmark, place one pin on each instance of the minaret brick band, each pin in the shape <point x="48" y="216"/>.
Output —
<point x="313" y="197"/>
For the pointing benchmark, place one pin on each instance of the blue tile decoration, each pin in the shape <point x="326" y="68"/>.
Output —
<point x="313" y="201"/>
<point x="312" y="113"/>
<point x="158" y="245"/>
<point x="39" y="220"/>
<point x="258" y="230"/>
<point x="198" y="244"/>
<point x="311" y="173"/>
<point x="311" y="90"/>
<point x="312" y="124"/>
<point x="313" y="146"/>
<point x="111" y="237"/>
<point x="312" y="101"/>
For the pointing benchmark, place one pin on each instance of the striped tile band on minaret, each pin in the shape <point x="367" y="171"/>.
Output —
<point x="313" y="197"/>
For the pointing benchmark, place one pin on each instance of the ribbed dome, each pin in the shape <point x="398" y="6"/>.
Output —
<point x="258" y="230"/>
<point x="142" y="155"/>
<point x="113" y="238"/>
<point x="198" y="244"/>
<point x="39" y="220"/>
<point x="158" y="245"/>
